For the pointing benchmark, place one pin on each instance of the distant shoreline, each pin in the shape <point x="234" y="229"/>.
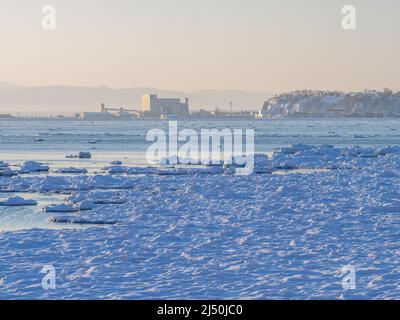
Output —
<point x="227" y="118"/>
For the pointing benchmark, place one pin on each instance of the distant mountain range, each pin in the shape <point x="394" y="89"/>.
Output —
<point x="14" y="98"/>
<point x="323" y="104"/>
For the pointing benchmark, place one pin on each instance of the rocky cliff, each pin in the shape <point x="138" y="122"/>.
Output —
<point x="333" y="104"/>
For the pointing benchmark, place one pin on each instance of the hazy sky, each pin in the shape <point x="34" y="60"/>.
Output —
<point x="254" y="45"/>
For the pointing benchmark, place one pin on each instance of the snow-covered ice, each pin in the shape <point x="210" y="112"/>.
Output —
<point x="180" y="233"/>
<point x="3" y="164"/>
<point x="6" y="172"/>
<point x="33" y="166"/>
<point x="80" y="155"/>
<point x="75" y="220"/>
<point x="116" y="169"/>
<point x="85" y="205"/>
<point x="17" y="202"/>
<point x="63" y="207"/>
<point x="72" y="170"/>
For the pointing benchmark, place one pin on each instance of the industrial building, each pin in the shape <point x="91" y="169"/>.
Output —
<point x="106" y="114"/>
<point x="161" y="107"/>
<point x="152" y="107"/>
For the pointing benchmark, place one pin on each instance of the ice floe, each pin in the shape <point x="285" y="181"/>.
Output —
<point x="17" y="202"/>
<point x="85" y="205"/>
<point x="190" y="171"/>
<point x="33" y="166"/>
<point x="3" y="164"/>
<point x="80" y="155"/>
<point x="72" y="170"/>
<point x="6" y="172"/>
<point x="141" y="170"/>
<point x="116" y="169"/>
<point x="85" y="155"/>
<point x="61" y="208"/>
<point x="74" y="220"/>
<point x="56" y="183"/>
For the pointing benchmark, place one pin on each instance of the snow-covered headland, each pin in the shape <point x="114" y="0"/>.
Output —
<point x="285" y="231"/>
<point x="333" y="104"/>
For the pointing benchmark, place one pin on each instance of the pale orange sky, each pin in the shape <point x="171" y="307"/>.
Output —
<point x="258" y="45"/>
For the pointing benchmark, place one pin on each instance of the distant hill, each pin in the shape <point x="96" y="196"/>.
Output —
<point x="322" y="104"/>
<point x="15" y="98"/>
<point x="7" y="86"/>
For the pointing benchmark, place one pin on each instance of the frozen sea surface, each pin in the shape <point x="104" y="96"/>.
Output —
<point x="207" y="236"/>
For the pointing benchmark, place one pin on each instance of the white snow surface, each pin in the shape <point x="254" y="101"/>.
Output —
<point x="63" y="207"/>
<point x="187" y="235"/>
<point x="17" y="202"/>
<point x="71" y="170"/>
<point x="33" y="166"/>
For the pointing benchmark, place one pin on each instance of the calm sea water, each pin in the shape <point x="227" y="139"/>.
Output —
<point x="51" y="141"/>
<point x="30" y="217"/>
